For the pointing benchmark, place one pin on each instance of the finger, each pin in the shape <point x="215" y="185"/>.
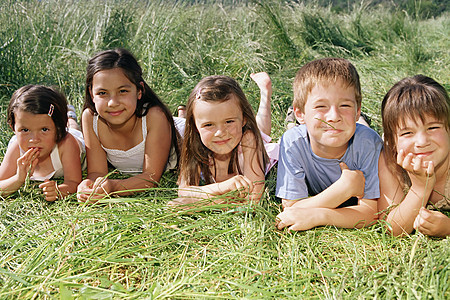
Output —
<point x="430" y="168"/>
<point x="280" y="225"/>
<point x="33" y="165"/>
<point x="51" y="197"/>
<point x="417" y="163"/>
<point x="407" y="161"/>
<point x="249" y="184"/>
<point x="400" y="157"/>
<point x="46" y="183"/>
<point x="343" y="166"/>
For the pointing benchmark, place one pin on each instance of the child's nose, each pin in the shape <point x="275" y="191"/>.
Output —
<point x="422" y="139"/>
<point x="113" y="100"/>
<point x="333" y="114"/>
<point x="34" y="138"/>
<point x="220" y="131"/>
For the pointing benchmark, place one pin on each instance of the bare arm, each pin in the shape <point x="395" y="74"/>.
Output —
<point x="157" y="150"/>
<point x="69" y="152"/>
<point x="236" y="183"/>
<point x="357" y="216"/>
<point x="15" y="168"/>
<point x="250" y="185"/>
<point x="404" y="209"/>
<point x="350" y="184"/>
<point x="97" y="165"/>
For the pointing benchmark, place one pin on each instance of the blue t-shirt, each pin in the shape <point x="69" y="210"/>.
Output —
<point x="302" y="173"/>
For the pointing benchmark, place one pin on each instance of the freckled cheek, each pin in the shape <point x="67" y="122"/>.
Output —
<point x="403" y="145"/>
<point x="205" y="137"/>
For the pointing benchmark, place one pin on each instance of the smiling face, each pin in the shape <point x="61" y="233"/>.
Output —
<point x="35" y="131"/>
<point x="219" y="125"/>
<point x="429" y="140"/>
<point x="115" y="96"/>
<point x="330" y="115"/>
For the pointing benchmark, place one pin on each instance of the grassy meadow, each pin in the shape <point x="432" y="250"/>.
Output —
<point x="138" y="248"/>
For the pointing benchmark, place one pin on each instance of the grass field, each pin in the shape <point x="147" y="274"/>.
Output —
<point x="137" y="247"/>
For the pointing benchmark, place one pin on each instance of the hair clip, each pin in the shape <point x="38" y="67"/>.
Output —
<point x="198" y="95"/>
<point x="50" y="111"/>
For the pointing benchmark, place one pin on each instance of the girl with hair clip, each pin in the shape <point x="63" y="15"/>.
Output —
<point x="42" y="147"/>
<point x="223" y="148"/>
<point x="126" y="124"/>
<point x="414" y="167"/>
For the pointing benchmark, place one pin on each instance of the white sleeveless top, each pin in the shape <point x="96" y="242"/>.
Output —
<point x="55" y="159"/>
<point x="131" y="161"/>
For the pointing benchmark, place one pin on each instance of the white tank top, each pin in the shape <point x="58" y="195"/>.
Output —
<point x="129" y="161"/>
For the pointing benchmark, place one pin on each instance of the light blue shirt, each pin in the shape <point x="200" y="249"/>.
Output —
<point x="302" y="173"/>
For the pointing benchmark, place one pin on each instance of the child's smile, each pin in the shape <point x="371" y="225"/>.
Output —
<point x="428" y="140"/>
<point x="330" y="116"/>
<point x="219" y="124"/>
<point x="115" y="96"/>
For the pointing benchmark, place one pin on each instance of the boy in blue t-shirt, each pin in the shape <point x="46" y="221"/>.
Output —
<point x="329" y="157"/>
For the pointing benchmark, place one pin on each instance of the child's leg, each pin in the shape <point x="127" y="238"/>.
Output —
<point x="264" y="115"/>
<point x="181" y="111"/>
<point x="72" y="118"/>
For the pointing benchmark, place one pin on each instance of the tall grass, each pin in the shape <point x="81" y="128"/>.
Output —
<point x="137" y="247"/>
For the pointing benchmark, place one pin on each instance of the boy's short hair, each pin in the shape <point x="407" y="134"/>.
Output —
<point x="324" y="71"/>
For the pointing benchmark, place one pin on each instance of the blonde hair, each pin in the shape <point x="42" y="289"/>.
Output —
<point x="195" y="157"/>
<point x="324" y="71"/>
<point x="411" y="98"/>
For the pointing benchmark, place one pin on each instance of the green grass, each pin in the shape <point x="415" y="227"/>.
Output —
<point x="137" y="247"/>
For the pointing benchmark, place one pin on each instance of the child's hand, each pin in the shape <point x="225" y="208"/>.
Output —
<point x="432" y="223"/>
<point x="354" y="181"/>
<point x="298" y="219"/>
<point x="50" y="190"/>
<point x="418" y="170"/>
<point x="26" y="163"/>
<point x="263" y="81"/>
<point x="84" y="189"/>
<point x="89" y="190"/>
<point x="239" y="183"/>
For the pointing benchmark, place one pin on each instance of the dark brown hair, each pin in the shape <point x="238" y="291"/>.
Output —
<point x="195" y="157"/>
<point x="411" y="98"/>
<point x="324" y="71"/>
<point x="123" y="59"/>
<point x="37" y="99"/>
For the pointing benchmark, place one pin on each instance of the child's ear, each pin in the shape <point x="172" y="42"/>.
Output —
<point x="358" y="114"/>
<point x="244" y="121"/>
<point x="140" y="90"/>
<point x="299" y="115"/>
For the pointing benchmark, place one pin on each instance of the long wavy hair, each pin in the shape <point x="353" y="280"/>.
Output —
<point x="195" y="156"/>
<point x="411" y="98"/>
<point x="123" y="59"/>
